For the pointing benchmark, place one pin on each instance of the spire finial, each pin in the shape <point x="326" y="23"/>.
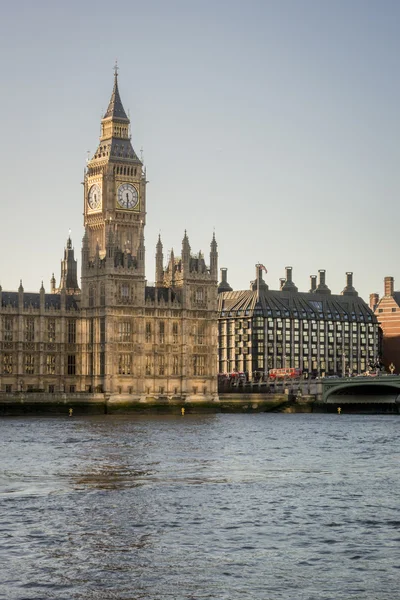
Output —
<point x="116" y="69"/>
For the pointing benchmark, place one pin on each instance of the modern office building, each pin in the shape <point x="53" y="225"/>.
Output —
<point x="316" y="331"/>
<point x="113" y="333"/>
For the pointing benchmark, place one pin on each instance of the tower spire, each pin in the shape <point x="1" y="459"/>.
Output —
<point x="115" y="109"/>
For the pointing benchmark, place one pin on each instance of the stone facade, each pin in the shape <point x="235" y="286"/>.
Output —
<point x="116" y="334"/>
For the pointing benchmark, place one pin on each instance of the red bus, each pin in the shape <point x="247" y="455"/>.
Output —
<point x="288" y="372"/>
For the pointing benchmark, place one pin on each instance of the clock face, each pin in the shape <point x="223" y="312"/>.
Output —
<point x="127" y="196"/>
<point x="94" y="197"/>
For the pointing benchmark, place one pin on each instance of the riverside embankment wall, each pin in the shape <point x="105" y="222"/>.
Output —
<point x="41" y="403"/>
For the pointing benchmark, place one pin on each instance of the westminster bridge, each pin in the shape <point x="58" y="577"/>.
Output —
<point x="368" y="389"/>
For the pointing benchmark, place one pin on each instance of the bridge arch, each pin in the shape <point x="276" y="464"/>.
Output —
<point x="370" y="389"/>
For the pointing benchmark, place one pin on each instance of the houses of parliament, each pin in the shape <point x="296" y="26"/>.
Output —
<point x="113" y="333"/>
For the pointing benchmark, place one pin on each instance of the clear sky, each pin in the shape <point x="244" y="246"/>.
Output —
<point x="276" y="123"/>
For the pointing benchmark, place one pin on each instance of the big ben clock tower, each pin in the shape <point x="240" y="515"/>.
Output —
<point x="113" y="254"/>
<point x="114" y="186"/>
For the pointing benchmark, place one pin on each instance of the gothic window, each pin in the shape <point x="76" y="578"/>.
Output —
<point x="148" y="331"/>
<point x="8" y="329"/>
<point x="102" y="295"/>
<point x="161" y="365"/>
<point x="124" y="292"/>
<point x="200" y="333"/>
<point x="102" y="363"/>
<point x="199" y="295"/>
<point x="30" y="329"/>
<point x="198" y="365"/>
<point x="124" y="331"/>
<point x="50" y="364"/>
<point x="161" y="332"/>
<point x="91" y="296"/>
<point x="51" y="330"/>
<point x="91" y="331"/>
<point x="175" y="365"/>
<point x="148" y="365"/>
<point x="175" y="333"/>
<point x="124" y="364"/>
<point x="8" y="364"/>
<point x="29" y="364"/>
<point x="102" y="330"/>
<point x="90" y="365"/>
<point x="71" y="364"/>
<point x="71" y="331"/>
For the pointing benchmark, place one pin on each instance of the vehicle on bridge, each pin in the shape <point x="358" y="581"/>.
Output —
<point x="286" y="373"/>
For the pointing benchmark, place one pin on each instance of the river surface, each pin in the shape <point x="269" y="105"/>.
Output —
<point x="264" y="506"/>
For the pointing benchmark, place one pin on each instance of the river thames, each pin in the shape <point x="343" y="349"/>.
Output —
<point x="265" y="506"/>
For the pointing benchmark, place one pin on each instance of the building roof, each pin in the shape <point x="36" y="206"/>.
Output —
<point x="115" y="108"/>
<point x="270" y="303"/>
<point x="32" y="300"/>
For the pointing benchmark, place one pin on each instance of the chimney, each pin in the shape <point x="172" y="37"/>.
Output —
<point x="322" y="287"/>
<point x="313" y="280"/>
<point x="259" y="283"/>
<point x="373" y="301"/>
<point x="282" y="282"/>
<point x="289" y="286"/>
<point x="389" y="286"/>
<point x="224" y="285"/>
<point x="349" y="290"/>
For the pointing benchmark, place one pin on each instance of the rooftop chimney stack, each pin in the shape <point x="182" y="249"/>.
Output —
<point x="224" y="285"/>
<point x="322" y="287"/>
<point x="289" y="286"/>
<point x="373" y="301"/>
<point x="349" y="290"/>
<point x="313" y="283"/>
<point x="389" y="286"/>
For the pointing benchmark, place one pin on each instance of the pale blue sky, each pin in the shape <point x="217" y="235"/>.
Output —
<point x="276" y="123"/>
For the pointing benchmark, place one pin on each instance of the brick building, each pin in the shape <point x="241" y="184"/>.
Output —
<point x="387" y="311"/>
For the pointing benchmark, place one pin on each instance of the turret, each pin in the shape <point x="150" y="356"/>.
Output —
<point x="85" y="251"/>
<point x="141" y="250"/>
<point x="159" y="263"/>
<point x="42" y="298"/>
<point x="185" y="254"/>
<point x="20" y="295"/>
<point x="69" y="279"/>
<point x="214" y="258"/>
<point x="53" y="284"/>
